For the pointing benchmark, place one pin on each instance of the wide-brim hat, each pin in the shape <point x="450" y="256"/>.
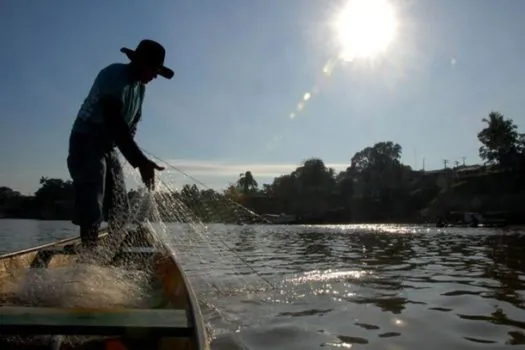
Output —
<point x="151" y="53"/>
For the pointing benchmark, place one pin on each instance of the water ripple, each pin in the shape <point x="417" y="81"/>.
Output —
<point x="358" y="286"/>
<point x="391" y="287"/>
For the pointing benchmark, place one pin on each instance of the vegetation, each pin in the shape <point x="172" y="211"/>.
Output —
<point x="502" y="144"/>
<point x="376" y="187"/>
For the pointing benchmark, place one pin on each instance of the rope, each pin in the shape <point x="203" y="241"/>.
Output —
<point x="204" y="185"/>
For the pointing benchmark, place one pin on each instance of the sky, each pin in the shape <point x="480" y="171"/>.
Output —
<point x="241" y="67"/>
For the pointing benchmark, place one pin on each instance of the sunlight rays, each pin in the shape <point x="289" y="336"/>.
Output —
<point x="363" y="29"/>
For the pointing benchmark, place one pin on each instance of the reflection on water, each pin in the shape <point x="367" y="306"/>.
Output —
<point x="23" y="234"/>
<point x="378" y="287"/>
<point x="365" y="287"/>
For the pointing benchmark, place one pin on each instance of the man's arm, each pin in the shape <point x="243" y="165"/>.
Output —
<point x="120" y="131"/>
<point x="133" y="128"/>
<point x="138" y="116"/>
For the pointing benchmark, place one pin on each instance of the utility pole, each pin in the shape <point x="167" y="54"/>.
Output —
<point x="445" y="162"/>
<point x="463" y="158"/>
<point x="415" y="158"/>
<point x="423" y="164"/>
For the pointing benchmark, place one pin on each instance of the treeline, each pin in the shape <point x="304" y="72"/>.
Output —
<point x="53" y="200"/>
<point x="376" y="187"/>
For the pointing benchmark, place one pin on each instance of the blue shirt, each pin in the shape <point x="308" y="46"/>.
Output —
<point x="115" y="80"/>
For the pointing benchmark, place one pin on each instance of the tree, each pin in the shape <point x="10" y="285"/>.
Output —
<point x="190" y="195"/>
<point x="53" y="190"/>
<point x="500" y="140"/>
<point x="376" y="168"/>
<point x="232" y="193"/>
<point x="521" y="144"/>
<point x="345" y="188"/>
<point x="54" y="199"/>
<point x="314" y="184"/>
<point x="378" y="180"/>
<point x="267" y="189"/>
<point x="314" y="175"/>
<point x="377" y="157"/>
<point x="246" y="183"/>
<point x="7" y="195"/>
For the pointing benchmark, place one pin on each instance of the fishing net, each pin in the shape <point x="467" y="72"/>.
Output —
<point x="206" y="231"/>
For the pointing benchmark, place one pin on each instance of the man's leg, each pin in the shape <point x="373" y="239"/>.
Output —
<point x="87" y="168"/>
<point x="116" y="203"/>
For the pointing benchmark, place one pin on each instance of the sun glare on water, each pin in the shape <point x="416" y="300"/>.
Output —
<point x="365" y="28"/>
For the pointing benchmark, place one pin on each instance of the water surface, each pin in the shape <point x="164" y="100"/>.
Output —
<point x="359" y="286"/>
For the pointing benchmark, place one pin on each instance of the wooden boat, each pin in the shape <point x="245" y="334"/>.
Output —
<point x="174" y="323"/>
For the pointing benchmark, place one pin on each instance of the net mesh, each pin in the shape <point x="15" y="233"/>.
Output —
<point x="199" y="225"/>
<point x="203" y="229"/>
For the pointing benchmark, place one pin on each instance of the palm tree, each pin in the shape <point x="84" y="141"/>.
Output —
<point x="500" y="140"/>
<point x="247" y="183"/>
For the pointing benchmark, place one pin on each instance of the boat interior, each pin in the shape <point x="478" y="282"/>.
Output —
<point x="169" y="316"/>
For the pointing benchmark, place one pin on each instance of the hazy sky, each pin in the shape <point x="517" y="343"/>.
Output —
<point x="241" y="67"/>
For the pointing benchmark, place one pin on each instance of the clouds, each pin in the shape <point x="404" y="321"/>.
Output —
<point x="228" y="169"/>
<point x="218" y="174"/>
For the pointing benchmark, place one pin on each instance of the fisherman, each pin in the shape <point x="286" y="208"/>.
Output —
<point x="108" y="118"/>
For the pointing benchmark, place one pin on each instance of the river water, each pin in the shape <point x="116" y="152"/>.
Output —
<point x="390" y="287"/>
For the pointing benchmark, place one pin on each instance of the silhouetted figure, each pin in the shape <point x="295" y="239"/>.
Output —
<point x="108" y="119"/>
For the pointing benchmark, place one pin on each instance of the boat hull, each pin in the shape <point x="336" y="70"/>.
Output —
<point x="173" y="320"/>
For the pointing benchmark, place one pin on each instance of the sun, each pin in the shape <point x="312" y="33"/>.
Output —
<point x="365" y="28"/>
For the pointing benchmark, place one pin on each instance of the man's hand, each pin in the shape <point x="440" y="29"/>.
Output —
<point x="133" y="130"/>
<point x="147" y="172"/>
